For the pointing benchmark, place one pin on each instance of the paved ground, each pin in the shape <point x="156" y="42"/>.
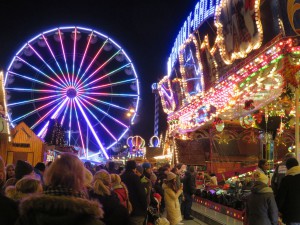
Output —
<point x="193" y="222"/>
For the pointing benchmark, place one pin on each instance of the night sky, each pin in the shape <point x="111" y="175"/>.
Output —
<point x="145" y="29"/>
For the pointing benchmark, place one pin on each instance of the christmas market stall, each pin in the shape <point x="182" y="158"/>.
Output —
<point x="232" y="83"/>
<point x="25" y="145"/>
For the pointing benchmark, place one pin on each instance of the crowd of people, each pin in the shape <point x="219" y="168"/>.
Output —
<point x="68" y="191"/>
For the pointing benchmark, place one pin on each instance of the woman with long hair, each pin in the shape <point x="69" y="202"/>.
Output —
<point x="172" y="193"/>
<point x="114" y="212"/>
<point x="63" y="200"/>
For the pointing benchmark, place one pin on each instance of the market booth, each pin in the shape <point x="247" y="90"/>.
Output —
<point x="232" y="84"/>
<point x="25" y="145"/>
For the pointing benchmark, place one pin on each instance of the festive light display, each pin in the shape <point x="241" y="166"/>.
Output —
<point x="238" y="32"/>
<point x="260" y="80"/>
<point x="79" y="77"/>
<point x="154" y="141"/>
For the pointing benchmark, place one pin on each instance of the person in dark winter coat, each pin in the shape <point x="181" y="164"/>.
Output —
<point x="63" y="200"/>
<point x="280" y="172"/>
<point x="189" y="190"/>
<point x="137" y="194"/>
<point x="288" y="197"/>
<point x="261" y="206"/>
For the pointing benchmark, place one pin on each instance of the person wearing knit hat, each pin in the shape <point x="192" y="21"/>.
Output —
<point x="23" y="168"/>
<point x="171" y="176"/>
<point x="288" y="197"/>
<point x="145" y="181"/>
<point x="279" y="172"/>
<point x="171" y="195"/>
<point x="139" y="170"/>
<point x="261" y="206"/>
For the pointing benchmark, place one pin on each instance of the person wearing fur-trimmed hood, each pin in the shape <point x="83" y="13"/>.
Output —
<point x="288" y="197"/>
<point x="261" y="206"/>
<point x="63" y="200"/>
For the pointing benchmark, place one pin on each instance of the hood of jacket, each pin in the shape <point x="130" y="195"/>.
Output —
<point x="60" y="205"/>
<point x="293" y="171"/>
<point x="260" y="187"/>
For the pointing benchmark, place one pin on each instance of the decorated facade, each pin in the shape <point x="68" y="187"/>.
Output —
<point x="232" y="78"/>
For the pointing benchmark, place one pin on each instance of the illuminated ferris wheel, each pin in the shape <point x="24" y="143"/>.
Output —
<point x="78" y="77"/>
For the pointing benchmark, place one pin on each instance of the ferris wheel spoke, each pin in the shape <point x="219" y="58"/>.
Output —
<point x="36" y="110"/>
<point x="70" y="122"/>
<point x="111" y="84"/>
<point x="64" y="54"/>
<point x="111" y="94"/>
<point x="55" y="114"/>
<point x="103" y="76"/>
<point x="80" y="133"/>
<point x="34" y="90"/>
<point x="74" y="54"/>
<point x="96" y="118"/>
<point x="39" y="71"/>
<point x="100" y="67"/>
<point x="33" y="100"/>
<point x="26" y="77"/>
<point x="91" y="128"/>
<point x="41" y="58"/>
<point x="84" y="54"/>
<point x="104" y="113"/>
<point x="50" y="49"/>
<point x="65" y="113"/>
<point x="105" y="103"/>
<point x="93" y="60"/>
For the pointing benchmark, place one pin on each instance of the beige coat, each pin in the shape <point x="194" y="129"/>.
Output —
<point x="172" y="205"/>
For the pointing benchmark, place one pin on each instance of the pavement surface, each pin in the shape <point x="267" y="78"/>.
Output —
<point x="192" y="222"/>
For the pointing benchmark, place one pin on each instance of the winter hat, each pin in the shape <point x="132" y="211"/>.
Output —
<point x="130" y="165"/>
<point x="140" y="169"/>
<point x="146" y="165"/>
<point x="40" y="166"/>
<point x="22" y="169"/>
<point x="291" y="162"/>
<point x="258" y="176"/>
<point x="157" y="196"/>
<point x="171" y="176"/>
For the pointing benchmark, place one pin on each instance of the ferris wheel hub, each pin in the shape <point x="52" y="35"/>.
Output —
<point x="71" y="92"/>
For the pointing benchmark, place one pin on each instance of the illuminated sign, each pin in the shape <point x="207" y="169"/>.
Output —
<point x="203" y="10"/>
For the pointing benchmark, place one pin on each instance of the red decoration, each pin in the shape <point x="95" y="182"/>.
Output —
<point x="249" y="104"/>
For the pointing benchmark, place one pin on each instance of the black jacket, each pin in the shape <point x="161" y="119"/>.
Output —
<point x="189" y="183"/>
<point x="288" y="197"/>
<point x="8" y="211"/>
<point x="137" y="193"/>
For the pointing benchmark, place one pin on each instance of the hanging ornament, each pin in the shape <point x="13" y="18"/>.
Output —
<point x="219" y="124"/>
<point x="246" y="122"/>
<point x="249" y="104"/>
